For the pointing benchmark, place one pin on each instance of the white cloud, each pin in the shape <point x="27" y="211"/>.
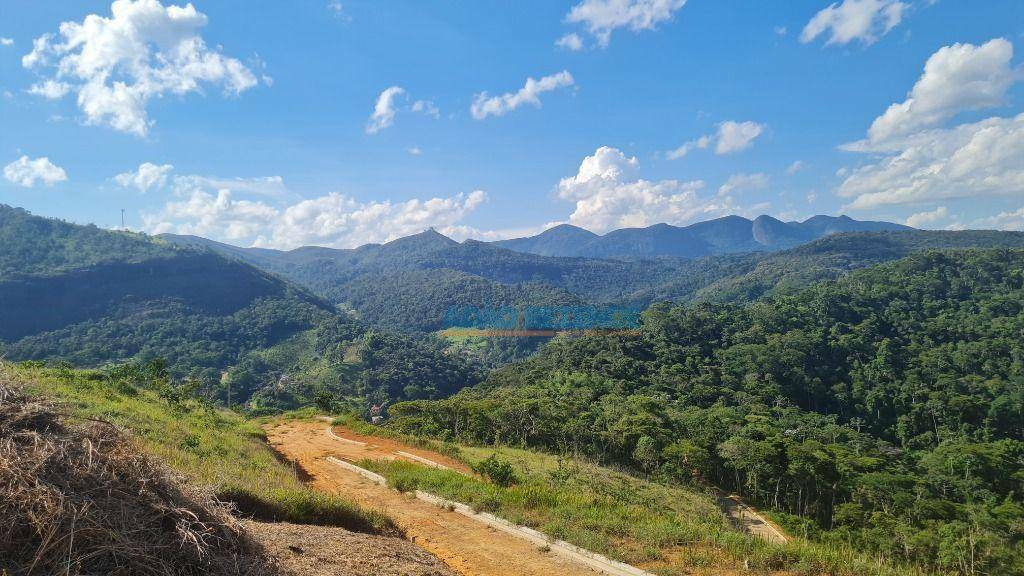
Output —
<point x="50" y="89"/>
<point x="1003" y="221"/>
<point x="863" y="20"/>
<point x="414" y="151"/>
<point x="144" y="50"/>
<point x="6" y="41"/>
<point x="609" y="194"/>
<point x="383" y="114"/>
<point x="914" y="161"/>
<point x="336" y="220"/>
<point x="795" y="167"/>
<point x="740" y="182"/>
<point x="736" y="136"/>
<point x="698" y="144"/>
<point x="26" y="172"/>
<point x="390" y="102"/>
<point x="331" y="220"/>
<point x="976" y="159"/>
<point x="781" y="30"/>
<point x="570" y="41"/>
<point x="919" y="219"/>
<point x="484" y="105"/>
<point x="731" y="137"/>
<point x="426" y="107"/>
<point x="602" y="17"/>
<point x="147" y="176"/>
<point x="956" y="78"/>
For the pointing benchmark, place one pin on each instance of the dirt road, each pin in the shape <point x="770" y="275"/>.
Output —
<point x="469" y="547"/>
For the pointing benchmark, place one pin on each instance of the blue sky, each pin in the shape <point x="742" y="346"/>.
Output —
<point x="254" y="125"/>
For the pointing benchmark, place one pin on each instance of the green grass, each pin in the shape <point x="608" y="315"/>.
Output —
<point x="667" y="530"/>
<point x="210" y="447"/>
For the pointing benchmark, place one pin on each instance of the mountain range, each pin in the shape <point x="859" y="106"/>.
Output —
<point x="726" y="235"/>
<point x="410" y="283"/>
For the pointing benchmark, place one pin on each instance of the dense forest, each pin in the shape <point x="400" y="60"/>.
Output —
<point x="410" y="283"/>
<point x="884" y="409"/>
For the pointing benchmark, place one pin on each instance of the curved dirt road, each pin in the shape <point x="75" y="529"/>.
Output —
<point x="469" y="547"/>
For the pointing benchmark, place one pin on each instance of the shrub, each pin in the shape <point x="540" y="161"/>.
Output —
<point x="496" y="470"/>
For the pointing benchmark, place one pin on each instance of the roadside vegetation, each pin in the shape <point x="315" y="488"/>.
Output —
<point x="668" y="530"/>
<point x="211" y="447"/>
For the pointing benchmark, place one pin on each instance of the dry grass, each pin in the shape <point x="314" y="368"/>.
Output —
<point x="76" y="497"/>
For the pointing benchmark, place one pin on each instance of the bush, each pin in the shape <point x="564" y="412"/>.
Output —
<point x="497" y="471"/>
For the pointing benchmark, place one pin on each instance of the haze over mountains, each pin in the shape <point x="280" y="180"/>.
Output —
<point x="719" y="236"/>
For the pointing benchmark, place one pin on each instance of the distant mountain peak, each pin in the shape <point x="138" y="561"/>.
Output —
<point x="429" y="237"/>
<point x="727" y="234"/>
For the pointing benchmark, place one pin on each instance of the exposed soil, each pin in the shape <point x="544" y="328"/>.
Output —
<point x="303" y="550"/>
<point x="467" y="546"/>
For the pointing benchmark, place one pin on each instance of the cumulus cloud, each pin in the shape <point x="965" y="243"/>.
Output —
<point x="414" y="151"/>
<point x="485" y="105"/>
<point x="975" y="159"/>
<point x="741" y="182"/>
<point x="919" y="219"/>
<point x="862" y="20"/>
<point x="144" y="50"/>
<point x="571" y="41"/>
<point x="795" y="167"/>
<point x="6" y="41"/>
<point x="383" y="114"/>
<point x="148" y="176"/>
<point x="330" y="220"/>
<point x="731" y="137"/>
<point x="915" y="161"/>
<point x="602" y="17"/>
<point x="1011" y="220"/>
<point x="956" y="78"/>
<point x="26" y="172"/>
<point x="50" y="89"/>
<point x="609" y="194"/>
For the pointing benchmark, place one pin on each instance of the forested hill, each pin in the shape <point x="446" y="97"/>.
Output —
<point x="30" y="245"/>
<point x="92" y="296"/>
<point x="884" y="409"/>
<point x="745" y="279"/>
<point x="410" y="283"/>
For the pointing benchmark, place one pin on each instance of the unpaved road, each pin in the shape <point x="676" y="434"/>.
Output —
<point x="753" y="523"/>
<point x="469" y="547"/>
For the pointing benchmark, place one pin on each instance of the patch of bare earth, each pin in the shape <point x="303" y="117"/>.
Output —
<point x="326" y="551"/>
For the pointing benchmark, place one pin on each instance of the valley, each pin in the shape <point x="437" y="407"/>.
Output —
<point x="769" y="410"/>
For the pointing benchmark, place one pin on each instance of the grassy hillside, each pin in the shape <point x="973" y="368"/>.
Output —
<point x="666" y="529"/>
<point x="883" y="411"/>
<point x="211" y="447"/>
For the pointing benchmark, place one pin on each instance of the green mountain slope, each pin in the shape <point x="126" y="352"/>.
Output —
<point x="92" y="297"/>
<point x="410" y="283"/>
<point x="883" y="410"/>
